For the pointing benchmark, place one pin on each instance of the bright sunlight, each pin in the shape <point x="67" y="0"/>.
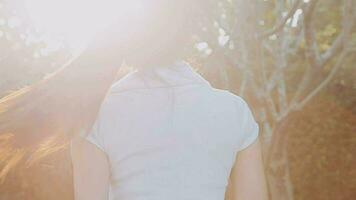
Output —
<point x="76" y="21"/>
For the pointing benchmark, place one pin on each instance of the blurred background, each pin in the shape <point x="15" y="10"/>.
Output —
<point x="292" y="60"/>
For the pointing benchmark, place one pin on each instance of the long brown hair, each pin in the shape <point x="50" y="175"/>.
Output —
<point x="42" y="118"/>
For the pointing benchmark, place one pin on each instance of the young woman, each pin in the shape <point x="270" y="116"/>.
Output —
<point x="162" y="132"/>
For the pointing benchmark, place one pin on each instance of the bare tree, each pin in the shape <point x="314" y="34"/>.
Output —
<point x="264" y="56"/>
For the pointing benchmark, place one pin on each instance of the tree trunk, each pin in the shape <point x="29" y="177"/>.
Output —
<point x="277" y="163"/>
<point x="279" y="182"/>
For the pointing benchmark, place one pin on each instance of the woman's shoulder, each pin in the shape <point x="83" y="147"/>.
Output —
<point x="228" y="96"/>
<point x="127" y="83"/>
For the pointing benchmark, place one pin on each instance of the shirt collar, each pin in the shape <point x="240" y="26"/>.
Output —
<point x="178" y="74"/>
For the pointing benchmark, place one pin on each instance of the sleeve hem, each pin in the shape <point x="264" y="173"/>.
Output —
<point x="252" y="138"/>
<point x="92" y="140"/>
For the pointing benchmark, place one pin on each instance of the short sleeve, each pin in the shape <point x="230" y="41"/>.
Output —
<point x="250" y="128"/>
<point x="94" y="136"/>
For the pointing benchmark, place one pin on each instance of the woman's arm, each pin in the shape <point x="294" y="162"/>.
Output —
<point x="247" y="180"/>
<point x="91" y="172"/>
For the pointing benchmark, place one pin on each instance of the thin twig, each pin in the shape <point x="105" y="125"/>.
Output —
<point x="311" y="47"/>
<point x="279" y="25"/>
<point x="348" y="22"/>
<point x="337" y="66"/>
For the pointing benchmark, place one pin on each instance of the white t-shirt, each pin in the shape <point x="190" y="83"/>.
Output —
<point x="169" y="135"/>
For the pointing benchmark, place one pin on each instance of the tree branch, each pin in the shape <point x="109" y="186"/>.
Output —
<point x="339" y="44"/>
<point x="311" y="51"/>
<point x="279" y="25"/>
<point x="348" y="22"/>
<point x="335" y="48"/>
<point x="243" y="84"/>
<point x="337" y="66"/>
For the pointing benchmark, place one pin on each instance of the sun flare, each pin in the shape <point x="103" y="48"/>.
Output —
<point x="76" y="21"/>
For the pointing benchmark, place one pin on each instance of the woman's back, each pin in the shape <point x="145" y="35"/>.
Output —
<point x="169" y="135"/>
